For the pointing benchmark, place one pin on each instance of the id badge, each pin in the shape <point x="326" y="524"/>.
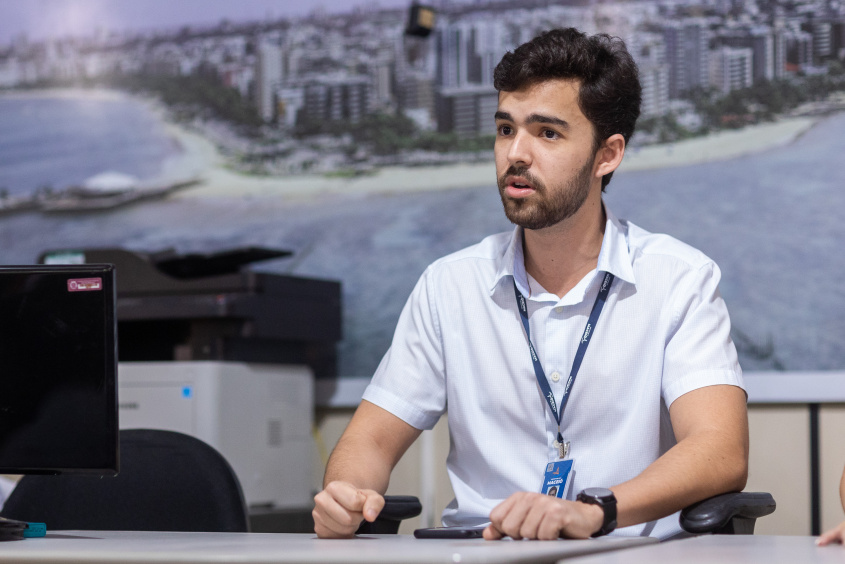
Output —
<point x="557" y="478"/>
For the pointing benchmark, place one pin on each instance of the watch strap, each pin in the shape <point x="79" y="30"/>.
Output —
<point x="607" y="501"/>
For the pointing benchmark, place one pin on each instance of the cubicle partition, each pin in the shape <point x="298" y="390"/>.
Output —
<point x="797" y="448"/>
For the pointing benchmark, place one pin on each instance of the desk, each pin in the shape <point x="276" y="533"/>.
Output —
<point x="739" y="549"/>
<point x="119" y="547"/>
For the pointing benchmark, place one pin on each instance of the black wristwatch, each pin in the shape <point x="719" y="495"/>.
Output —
<point x="605" y="499"/>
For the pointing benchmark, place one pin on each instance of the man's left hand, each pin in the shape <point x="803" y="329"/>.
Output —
<point x="527" y="515"/>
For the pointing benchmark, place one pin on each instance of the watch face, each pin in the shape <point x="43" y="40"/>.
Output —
<point x="597" y="492"/>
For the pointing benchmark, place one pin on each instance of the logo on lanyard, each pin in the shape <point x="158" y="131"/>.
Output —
<point x="533" y="354"/>
<point x="587" y="331"/>
<point x="551" y="398"/>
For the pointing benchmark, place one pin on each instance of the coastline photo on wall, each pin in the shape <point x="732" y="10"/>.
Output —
<point x="332" y="132"/>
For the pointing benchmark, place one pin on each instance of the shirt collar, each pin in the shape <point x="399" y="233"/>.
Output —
<point x="613" y="257"/>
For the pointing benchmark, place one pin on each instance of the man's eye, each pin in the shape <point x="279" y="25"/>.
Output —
<point x="505" y="130"/>
<point x="549" y="134"/>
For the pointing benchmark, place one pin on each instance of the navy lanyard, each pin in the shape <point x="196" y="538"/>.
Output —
<point x="579" y="355"/>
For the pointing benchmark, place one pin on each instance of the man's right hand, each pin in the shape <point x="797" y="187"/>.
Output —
<point x="340" y="508"/>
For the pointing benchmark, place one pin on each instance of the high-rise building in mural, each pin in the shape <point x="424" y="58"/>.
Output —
<point x="822" y="33"/>
<point x="760" y="39"/>
<point x="649" y="51"/>
<point x="687" y="54"/>
<point x="732" y="68"/>
<point x="799" y="50"/>
<point x="337" y="97"/>
<point x="268" y="77"/>
<point x="467" y="52"/>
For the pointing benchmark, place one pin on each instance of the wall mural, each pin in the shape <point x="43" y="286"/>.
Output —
<point x="366" y="149"/>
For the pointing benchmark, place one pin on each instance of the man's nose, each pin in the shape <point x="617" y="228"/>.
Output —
<point x="519" y="153"/>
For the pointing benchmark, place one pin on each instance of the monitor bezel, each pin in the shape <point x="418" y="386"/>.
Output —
<point x="108" y="274"/>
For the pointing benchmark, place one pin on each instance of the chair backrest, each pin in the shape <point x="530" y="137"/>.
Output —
<point x="168" y="481"/>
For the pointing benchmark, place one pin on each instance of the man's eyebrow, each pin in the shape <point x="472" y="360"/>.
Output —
<point x="534" y="118"/>
<point x="538" y="118"/>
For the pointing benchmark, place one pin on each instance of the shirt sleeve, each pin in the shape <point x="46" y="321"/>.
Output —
<point x="410" y="381"/>
<point x="699" y="352"/>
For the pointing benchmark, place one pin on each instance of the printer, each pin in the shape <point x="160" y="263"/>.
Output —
<point x="210" y="348"/>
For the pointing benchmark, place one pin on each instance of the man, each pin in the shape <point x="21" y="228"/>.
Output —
<point x="500" y="331"/>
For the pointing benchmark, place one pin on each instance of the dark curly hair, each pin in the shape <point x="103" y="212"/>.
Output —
<point x="610" y="92"/>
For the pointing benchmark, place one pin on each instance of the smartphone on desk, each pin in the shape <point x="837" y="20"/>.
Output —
<point x="450" y="532"/>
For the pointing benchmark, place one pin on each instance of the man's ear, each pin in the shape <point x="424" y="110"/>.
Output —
<point x="609" y="156"/>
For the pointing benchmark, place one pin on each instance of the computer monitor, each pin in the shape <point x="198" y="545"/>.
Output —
<point x="58" y="367"/>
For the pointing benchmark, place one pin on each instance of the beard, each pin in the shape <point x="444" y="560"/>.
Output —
<point x="545" y="207"/>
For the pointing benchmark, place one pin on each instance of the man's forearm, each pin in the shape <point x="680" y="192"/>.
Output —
<point x="710" y="458"/>
<point x="358" y="471"/>
<point x="692" y="470"/>
<point x="370" y="447"/>
<point x="360" y="463"/>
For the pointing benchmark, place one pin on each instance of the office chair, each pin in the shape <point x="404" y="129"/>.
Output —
<point x="168" y="481"/>
<point x="732" y="513"/>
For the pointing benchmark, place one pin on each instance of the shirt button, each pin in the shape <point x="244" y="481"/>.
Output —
<point x="559" y="309"/>
<point x="555" y="377"/>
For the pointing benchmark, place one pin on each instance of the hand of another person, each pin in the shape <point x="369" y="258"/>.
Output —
<point x="340" y="508"/>
<point x="837" y="534"/>
<point x="527" y="515"/>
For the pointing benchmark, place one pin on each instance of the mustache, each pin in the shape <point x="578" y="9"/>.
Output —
<point x="522" y="171"/>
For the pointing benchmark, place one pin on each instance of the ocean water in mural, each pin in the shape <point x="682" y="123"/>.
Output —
<point x="773" y="223"/>
<point x="60" y="140"/>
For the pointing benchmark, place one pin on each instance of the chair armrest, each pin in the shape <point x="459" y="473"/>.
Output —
<point x="720" y="514"/>
<point x="396" y="508"/>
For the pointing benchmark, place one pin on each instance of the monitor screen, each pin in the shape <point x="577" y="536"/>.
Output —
<point x="58" y="366"/>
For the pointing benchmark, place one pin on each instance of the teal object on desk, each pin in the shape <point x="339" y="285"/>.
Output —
<point x="34" y="530"/>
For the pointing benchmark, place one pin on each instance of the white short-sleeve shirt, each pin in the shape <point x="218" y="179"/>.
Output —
<point x="460" y="346"/>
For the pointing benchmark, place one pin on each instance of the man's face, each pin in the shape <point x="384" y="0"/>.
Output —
<point x="544" y="154"/>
